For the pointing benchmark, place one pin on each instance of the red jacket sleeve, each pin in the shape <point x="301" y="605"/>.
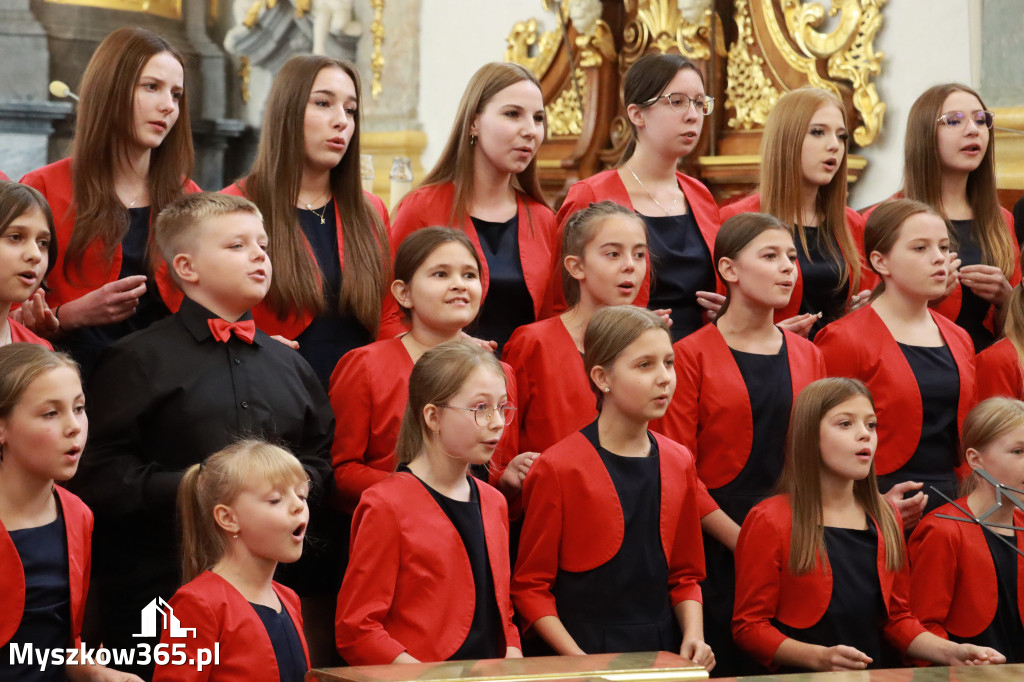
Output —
<point x="193" y="612"/>
<point x="933" y="561"/>
<point x="368" y="590"/>
<point x="349" y="392"/>
<point x="681" y="419"/>
<point x="999" y="372"/>
<point x="759" y="567"/>
<point x="903" y="626"/>
<point x="539" y="544"/>
<point x="686" y="567"/>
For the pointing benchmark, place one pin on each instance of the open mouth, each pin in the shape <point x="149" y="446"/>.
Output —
<point x="461" y="300"/>
<point x="971" y="148"/>
<point x="299" y="531"/>
<point x="74" y="452"/>
<point x="28" y="277"/>
<point x="258" y="275"/>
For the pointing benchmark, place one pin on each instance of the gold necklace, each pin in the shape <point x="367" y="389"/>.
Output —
<point x="668" y="211"/>
<point x="321" y="215"/>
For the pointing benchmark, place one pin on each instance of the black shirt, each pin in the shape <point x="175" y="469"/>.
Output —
<point x="509" y="304"/>
<point x="164" y="399"/>
<point x="680" y="267"/>
<point x="332" y="334"/>
<point x="46" y="618"/>
<point x="291" y="660"/>
<point x="822" y="292"/>
<point x="87" y="344"/>
<point x="973" y="308"/>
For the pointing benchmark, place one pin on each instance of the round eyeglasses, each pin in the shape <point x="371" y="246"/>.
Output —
<point x="484" y="412"/>
<point x="680" y="103"/>
<point x="954" y="119"/>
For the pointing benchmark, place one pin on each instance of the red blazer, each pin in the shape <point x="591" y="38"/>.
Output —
<point x="22" y="334"/>
<point x="710" y="412"/>
<point x="538" y="242"/>
<point x="860" y="346"/>
<point x="408" y="583"/>
<point x="855" y="226"/>
<point x="999" y="371"/>
<point x="3" y="176"/>
<point x="297" y="322"/>
<point x="555" y="399"/>
<point x="78" y="528"/>
<point x="607" y="186"/>
<point x="222" y="616"/>
<point x="54" y="182"/>
<point x="369" y="390"/>
<point x="766" y="589"/>
<point x="950" y="306"/>
<point x="574" y="522"/>
<point x="953" y="577"/>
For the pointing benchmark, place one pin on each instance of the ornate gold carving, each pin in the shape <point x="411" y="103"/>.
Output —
<point x="659" y="23"/>
<point x="749" y="91"/>
<point x="564" y="115"/>
<point x="596" y="47"/>
<point x="161" y="8"/>
<point x="806" y="64"/>
<point x="524" y="39"/>
<point x="377" y="60"/>
<point x="857" y="64"/>
<point x="244" y="73"/>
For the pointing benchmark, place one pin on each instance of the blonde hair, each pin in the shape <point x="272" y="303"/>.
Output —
<point x="219" y="480"/>
<point x="782" y="178"/>
<point x="580" y="230"/>
<point x="455" y="164"/>
<point x="436" y="377"/>
<point x="922" y="177"/>
<point x="177" y="227"/>
<point x="801" y="479"/>
<point x="1013" y="328"/>
<point x="734" y="236"/>
<point x="611" y="330"/>
<point x="20" y="365"/>
<point x="988" y="420"/>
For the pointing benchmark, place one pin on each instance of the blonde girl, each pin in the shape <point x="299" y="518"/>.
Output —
<point x="965" y="577"/>
<point x="821" y="570"/>
<point x="243" y="510"/>
<point x="428" y="573"/>
<point x="611" y="553"/>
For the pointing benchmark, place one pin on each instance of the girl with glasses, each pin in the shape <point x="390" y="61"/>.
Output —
<point x="949" y="164"/>
<point x="429" y="573"/>
<point x="665" y="108"/>
<point x="804" y="153"/>
<point x="611" y="555"/>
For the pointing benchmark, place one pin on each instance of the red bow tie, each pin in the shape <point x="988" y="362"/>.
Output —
<point x="222" y="329"/>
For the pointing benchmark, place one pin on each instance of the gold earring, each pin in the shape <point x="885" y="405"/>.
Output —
<point x="472" y="140"/>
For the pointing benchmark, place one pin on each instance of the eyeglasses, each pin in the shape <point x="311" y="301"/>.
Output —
<point x="484" y="412"/>
<point x="953" y="119"/>
<point x="680" y="103"/>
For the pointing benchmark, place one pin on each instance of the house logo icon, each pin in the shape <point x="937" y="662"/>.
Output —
<point x="167" y="618"/>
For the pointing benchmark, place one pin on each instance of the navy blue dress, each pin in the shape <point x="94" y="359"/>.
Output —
<point x="973" y="308"/>
<point x="509" y="304"/>
<point x="291" y="661"/>
<point x="330" y="335"/>
<point x="822" y="292"/>
<point x="680" y="267"/>
<point x="46" y="621"/>
<point x="934" y="461"/>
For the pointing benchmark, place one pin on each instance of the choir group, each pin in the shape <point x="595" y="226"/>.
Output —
<point x="756" y="435"/>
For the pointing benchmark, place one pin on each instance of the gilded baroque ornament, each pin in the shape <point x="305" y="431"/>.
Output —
<point x="749" y="91"/>
<point x="660" y="24"/>
<point x="564" y="115"/>
<point x="170" y="9"/>
<point x="377" y="60"/>
<point x="531" y="48"/>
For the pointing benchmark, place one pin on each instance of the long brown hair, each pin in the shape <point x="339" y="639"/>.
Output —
<point x="104" y="133"/>
<point x="782" y="177"/>
<point x="645" y="80"/>
<point x="734" y="236"/>
<point x="922" y="177"/>
<point x="218" y="480"/>
<point x="273" y="185"/>
<point x="436" y="377"/>
<point x="801" y="479"/>
<point x="610" y="331"/>
<point x="455" y="164"/>
<point x="15" y="201"/>
<point x="883" y="229"/>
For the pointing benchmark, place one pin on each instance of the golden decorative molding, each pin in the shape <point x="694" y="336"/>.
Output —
<point x="858" y="63"/>
<point x="377" y="60"/>
<point x="170" y="9"/>
<point x="597" y="47"/>
<point x="244" y="74"/>
<point x="564" y="115"/>
<point x="659" y="24"/>
<point x="749" y="91"/>
<point x="524" y="38"/>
